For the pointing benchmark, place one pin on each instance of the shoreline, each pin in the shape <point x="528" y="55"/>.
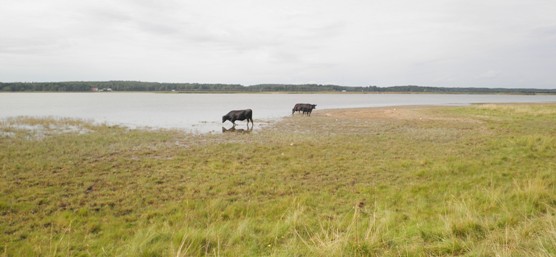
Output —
<point x="267" y="123"/>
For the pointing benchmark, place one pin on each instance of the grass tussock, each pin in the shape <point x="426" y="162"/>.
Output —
<point x="419" y="181"/>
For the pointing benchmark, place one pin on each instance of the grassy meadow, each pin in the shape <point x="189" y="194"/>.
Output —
<point x="475" y="180"/>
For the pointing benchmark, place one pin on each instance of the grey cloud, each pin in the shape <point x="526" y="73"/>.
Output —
<point x="454" y="42"/>
<point x="545" y="31"/>
<point x="105" y="15"/>
<point x="33" y="46"/>
<point x="158" y="28"/>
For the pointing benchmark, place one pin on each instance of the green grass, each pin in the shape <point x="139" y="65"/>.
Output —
<point x="425" y="181"/>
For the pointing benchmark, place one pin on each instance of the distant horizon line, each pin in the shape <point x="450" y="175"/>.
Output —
<point x="275" y="84"/>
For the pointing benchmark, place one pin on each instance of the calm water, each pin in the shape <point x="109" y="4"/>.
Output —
<point x="203" y="112"/>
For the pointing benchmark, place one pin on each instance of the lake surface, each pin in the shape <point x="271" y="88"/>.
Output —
<point x="203" y="112"/>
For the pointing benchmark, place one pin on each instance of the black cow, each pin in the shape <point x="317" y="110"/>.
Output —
<point x="308" y="109"/>
<point x="296" y="108"/>
<point x="304" y="108"/>
<point x="232" y="116"/>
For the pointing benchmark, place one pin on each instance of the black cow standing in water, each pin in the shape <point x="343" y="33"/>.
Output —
<point x="232" y="116"/>
<point x="304" y="108"/>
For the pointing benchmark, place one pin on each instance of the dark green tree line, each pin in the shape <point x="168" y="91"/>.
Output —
<point x="88" y="86"/>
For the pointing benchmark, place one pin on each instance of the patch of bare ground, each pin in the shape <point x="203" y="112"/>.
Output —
<point x="411" y="113"/>
<point x="418" y="122"/>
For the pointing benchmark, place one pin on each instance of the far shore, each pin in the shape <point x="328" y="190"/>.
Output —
<point x="285" y="92"/>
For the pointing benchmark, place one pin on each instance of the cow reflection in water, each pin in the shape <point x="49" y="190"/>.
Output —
<point x="233" y="129"/>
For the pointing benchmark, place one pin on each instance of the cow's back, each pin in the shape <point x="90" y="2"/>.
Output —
<point x="241" y="114"/>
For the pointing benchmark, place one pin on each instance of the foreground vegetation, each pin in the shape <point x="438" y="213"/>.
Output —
<point x="435" y="181"/>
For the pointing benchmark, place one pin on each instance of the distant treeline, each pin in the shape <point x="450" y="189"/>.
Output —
<point x="88" y="86"/>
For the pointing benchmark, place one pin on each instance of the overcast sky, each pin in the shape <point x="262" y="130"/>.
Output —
<point x="475" y="43"/>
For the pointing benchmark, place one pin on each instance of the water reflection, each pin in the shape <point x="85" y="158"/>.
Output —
<point x="233" y="129"/>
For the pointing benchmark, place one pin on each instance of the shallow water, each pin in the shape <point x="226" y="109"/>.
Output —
<point x="203" y="112"/>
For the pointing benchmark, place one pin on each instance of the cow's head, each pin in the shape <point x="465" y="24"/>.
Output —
<point x="225" y="118"/>
<point x="314" y="106"/>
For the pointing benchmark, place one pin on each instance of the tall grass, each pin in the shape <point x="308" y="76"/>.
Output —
<point x="476" y="181"/>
